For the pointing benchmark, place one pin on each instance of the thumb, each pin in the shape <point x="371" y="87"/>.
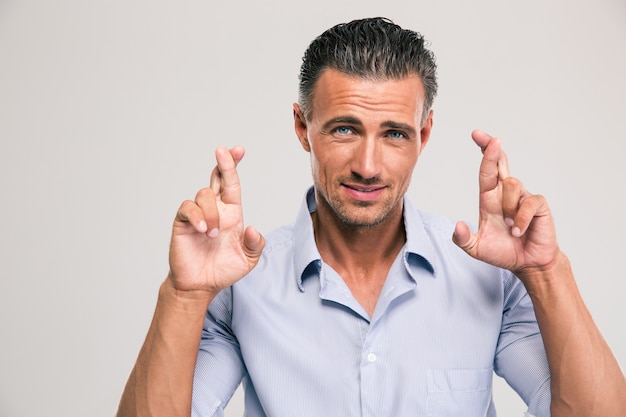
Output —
<point x="253" y="243"/>
<point x="464" y="238"/>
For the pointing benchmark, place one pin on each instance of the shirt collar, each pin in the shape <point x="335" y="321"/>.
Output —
<point x="307" y="258"/>
<point x="418" y="251"/>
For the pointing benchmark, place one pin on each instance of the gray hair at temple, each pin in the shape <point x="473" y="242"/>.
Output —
<point x="373" y="48"/>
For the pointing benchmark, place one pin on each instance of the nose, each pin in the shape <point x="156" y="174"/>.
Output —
<point x="367" y="158"/>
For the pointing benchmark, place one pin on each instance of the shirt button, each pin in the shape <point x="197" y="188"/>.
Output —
<point x="371" y="357"/>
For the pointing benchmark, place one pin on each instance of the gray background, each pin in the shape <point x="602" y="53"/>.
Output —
<point x="110" y="111"/>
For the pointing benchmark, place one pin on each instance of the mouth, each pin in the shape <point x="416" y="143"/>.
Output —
<point x="362" y="192"/>
<point x="364" y="189"/>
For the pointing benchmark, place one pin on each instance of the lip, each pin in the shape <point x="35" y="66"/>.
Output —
<point x="363" y="192"/>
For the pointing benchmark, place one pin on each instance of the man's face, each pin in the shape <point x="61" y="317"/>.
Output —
<point x="364" y="137"/>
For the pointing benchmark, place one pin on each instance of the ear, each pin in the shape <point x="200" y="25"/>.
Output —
<point x="427" y="126"/>
<point x="300" y="126"/>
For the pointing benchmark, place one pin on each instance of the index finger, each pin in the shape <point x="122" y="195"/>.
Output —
<point x="225" y="179"/>
<point x="503" y="165"/>
<point x="215" y="183"/>
<point x="495" y="164"/>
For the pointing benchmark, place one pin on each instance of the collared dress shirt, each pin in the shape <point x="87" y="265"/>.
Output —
<point x="302" y="345"/>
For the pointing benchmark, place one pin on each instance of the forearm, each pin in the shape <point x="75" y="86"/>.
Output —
<point x="160" y="384"/>
<point x="586" y="378"/>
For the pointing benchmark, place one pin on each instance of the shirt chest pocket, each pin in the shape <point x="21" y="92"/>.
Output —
<point x="459" y="392"/>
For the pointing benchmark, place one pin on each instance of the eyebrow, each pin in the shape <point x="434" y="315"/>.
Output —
<point x="389" y="124"/>
<point x="399" y="126"/>
<point x="341" y="120"/>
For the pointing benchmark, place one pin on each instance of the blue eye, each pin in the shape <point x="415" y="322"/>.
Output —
<point x="343" y="130"/>
<point x="396" y="135"/>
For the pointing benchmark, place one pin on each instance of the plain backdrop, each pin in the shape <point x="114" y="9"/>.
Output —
<point x="110" y="112"/>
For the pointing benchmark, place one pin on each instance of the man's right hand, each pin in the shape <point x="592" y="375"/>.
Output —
<point x="210" y="250"/>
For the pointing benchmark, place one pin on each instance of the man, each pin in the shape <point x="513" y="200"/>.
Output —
<point x="366" y="306"/>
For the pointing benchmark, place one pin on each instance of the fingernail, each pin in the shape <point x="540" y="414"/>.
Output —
<point x="202" y="226"/>
<point x="214" y="232"/>
<point x="509" y="221"/>
<point x="516" y="232"/>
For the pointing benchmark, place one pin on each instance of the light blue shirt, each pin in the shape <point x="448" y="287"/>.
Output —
<point x="303" y="346"/>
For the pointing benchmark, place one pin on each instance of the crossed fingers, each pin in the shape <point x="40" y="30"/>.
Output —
<point x="203" y="213"/>
<point x="518" y="206"/>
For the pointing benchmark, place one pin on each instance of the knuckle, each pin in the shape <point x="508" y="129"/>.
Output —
<point x="205" y="191"/>
<point x="186" y="206"/>
<point x="512" y="182"/>
<point x="185" y="211"/>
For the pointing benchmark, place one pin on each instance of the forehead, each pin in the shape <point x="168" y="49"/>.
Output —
<point x="392" y="98"/>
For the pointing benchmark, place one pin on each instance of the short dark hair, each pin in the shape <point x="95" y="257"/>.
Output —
<point x="373" y="48"/>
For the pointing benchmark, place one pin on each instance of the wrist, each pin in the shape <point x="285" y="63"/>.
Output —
<point x="186" y="299"/>
<point x="555" y="274"/>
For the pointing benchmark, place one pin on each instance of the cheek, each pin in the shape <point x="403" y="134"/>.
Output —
<point x="320" y="163"/>
<point x="315" y="166"/>
<point x="403" y="169"/>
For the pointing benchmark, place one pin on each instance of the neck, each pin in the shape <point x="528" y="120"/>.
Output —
<point x="361" y="255"/>
<point x="352" y="247"/>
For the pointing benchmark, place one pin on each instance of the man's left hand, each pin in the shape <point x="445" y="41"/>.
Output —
<point x="515" y="228"/>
